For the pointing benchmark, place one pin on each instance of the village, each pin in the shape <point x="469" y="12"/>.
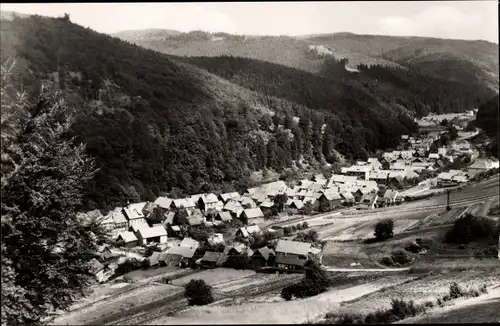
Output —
<point x="210" y="230"/>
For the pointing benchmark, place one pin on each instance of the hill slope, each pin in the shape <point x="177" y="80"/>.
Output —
<point x="452" y="59"/>
<point x="157" y="123"/>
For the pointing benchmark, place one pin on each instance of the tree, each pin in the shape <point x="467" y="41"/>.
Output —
<point x="280" y="201"/>
<point x="198" y="293"/>
<point x="46" y="246"/>
<point x="181" y="217"/>
<point x="384" y="229"/>
<point x="307" y="209"/>
<point x="155" y="216"/>
<point x="444" y="122"/>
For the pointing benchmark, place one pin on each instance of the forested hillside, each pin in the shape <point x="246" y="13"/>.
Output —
<point x="161" y="124"/>
<point x="488" y="119"/>
<point x="471" y="62"/>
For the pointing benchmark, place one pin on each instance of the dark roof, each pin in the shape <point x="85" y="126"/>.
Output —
<point x="265" y="252"/>
<point x="290" y="260"/>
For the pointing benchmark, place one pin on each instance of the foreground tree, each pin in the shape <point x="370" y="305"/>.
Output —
<point x="198" y="293"/>
<point x="46" y="247"/>
<point x="384" y="229"/>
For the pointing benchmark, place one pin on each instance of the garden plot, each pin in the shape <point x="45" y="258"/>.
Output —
<point x="428" y="288"/>
<point x="403" y="225"/>
<point x="215" y="276"/>
<point x="295" y="311"/>
<point x="101" y="292"/>
<point x="253" y="281"/>
<point x="139" y="296"/>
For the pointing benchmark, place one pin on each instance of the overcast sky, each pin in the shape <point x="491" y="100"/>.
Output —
<point x="448" y="19"/>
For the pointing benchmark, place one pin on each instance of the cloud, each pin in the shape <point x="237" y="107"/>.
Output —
<point x="440" y="21"/>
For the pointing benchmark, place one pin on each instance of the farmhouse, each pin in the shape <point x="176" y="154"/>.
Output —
<point x="96" y="269"/>
<point x="157" y="234"/>
<point x="207" y="201"/>
<point x="368" y="201"/>
<point x="212" y="259"/>
<point x="223" y="216"/>
<point x="361" y="171"/>
<point x="247" y="230"/>
<point x="263" y="257"/>
<point x="183" y="202"/>
<point x="252" y="213"/>
<point x="229" y="196"/>
<point x="247" y="203"/>
<point x="266" y="207"/>
<point x="163" y="202"/>
<point x="128" y="238"/>
<point x="119" y="219"/>
<point x="177" y="255"/>
<point x="134" y="214"/>
<point x="330" y="200"/>
<point x="291" y="255"/>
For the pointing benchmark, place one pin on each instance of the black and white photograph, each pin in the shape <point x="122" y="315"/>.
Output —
<point x="302" y="162"/>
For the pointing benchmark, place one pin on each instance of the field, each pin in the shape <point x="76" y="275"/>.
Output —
<point x="215" y="276"/>
<point x="275" y="310"/>
<point x="140" y="296"/>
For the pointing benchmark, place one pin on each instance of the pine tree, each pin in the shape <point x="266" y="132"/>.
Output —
<point x="46" y="246"/>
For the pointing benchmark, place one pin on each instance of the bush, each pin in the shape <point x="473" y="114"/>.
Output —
<point x="401" y="257"/>
<point x="305" y="225"/>
<point x="388" y="261"/>
<point x="128" y="266"/>
<point x="287" y="230"/>
<point x="413" y="247"/>
<point x="198" y="293"/>
<point x="471" y="228"/>
<point x="456" y="291"/>
<point x="238" y="262"/>
<point x="315" y="281"/>
<point x="384" y="229"/>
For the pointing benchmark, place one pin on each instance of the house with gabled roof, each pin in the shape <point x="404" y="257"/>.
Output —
<point x="163" y="202"/>
<point x="96" y="269"/>
<point x="229" y="196"/>
<point x="118" y="217"/>
<point x="304" y="184"/>
<point x="134" y="214"/>
<point x="245" y="231"/>
<point x="263" y="257"/>
<point x="291" y="255"/>
<point x="368" y="201"/>
<point x="267" y="207"/>
<point x="252" y="213"/>
<point x="128" y="238"/>
<point x="360" y="171"/>
<point x="375" y="163"/>
<point x="212" y="259"/>
<point x="177" y="256"/>
<point x="148" y="235"/>
<point x="207" y="201"/>
<point x="330" y="200"/>
<point x="183" y="202"/>
<point x="189" y="243"/>
<point x="224" y="216"/>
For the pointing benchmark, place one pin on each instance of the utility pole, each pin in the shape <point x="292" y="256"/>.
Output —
<point x="448" y="200"/>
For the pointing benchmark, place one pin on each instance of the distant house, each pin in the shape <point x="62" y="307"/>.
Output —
<point x="291" y="255"/>
<point x="368" y="201"/>
<point x="128" y="238"/>
<point x="347" y="197"/>
<point x="252" y="213"/>
<point x="153" y="259"/>
<point x="361" y="171"/>
<point x="236" y="249"/>
<point x="178" y="256"/>
<point x="481" y="165"/>
<point x="183" y="202"/>
<point x="216" y="238"/>
<point x="404" y="137"/>
<point x="374" y="162"/>
<point x="267" y="207"/>
<point x="232" y="206"/>
<point x="229" y="196"/>
<point x="247" y="230"/>
<point x="263" y="257"/>
<point x="164" y="203"/>
<point x="294" y="205"/>
<point x="207" y="201"/>
<point x="330" y="200"/>
<point x="223" y="216"/>
<point x="433" y="156"/>
<point x="119" y="219"/>
<point x="157" y="234"/>
<point x="212" y="259"/>
<point x="96" y="269"/>
<point x="134" y="214"/>
<point x="247" y="203"/>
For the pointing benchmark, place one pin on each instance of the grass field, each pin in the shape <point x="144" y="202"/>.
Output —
<point x="215" y="276"/>
<point x="140" y="296"/>
<point x="295" y="311"/>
